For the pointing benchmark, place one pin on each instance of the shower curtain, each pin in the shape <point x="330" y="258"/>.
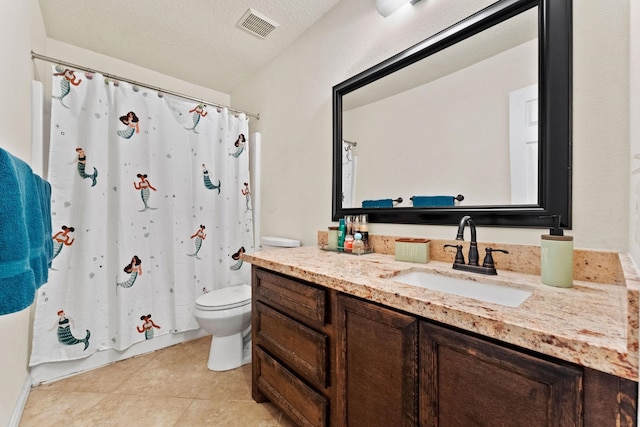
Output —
<point x="349" y="161"/>
<point x="151" y="207"/>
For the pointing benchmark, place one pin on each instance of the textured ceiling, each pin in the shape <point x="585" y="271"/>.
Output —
<point x="193" y="40"/>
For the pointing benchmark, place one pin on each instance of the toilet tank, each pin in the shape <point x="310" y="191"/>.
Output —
<point x="270" y="242"/>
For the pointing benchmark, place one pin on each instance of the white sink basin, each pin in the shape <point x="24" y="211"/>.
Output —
<point x="489" y="292"/>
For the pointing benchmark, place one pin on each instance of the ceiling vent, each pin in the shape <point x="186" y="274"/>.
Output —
<point x="257" y="24"/>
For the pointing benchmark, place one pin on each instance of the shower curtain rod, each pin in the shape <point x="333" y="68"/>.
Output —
<point x="123" y="79"/>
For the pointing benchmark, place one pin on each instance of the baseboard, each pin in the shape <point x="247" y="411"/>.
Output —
<point x="20" y="404"/>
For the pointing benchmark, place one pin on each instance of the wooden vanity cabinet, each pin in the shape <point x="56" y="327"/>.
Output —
<point x="330" y="359"/>
<point x="292" y="350"/>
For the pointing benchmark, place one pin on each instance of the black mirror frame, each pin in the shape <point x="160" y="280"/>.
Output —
<point x="555" y="130"/>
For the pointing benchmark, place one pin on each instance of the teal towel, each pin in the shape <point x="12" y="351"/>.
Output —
<point x="382" y="203"/>
<point x="432" y="201"/>
<point x="26" y="247"/>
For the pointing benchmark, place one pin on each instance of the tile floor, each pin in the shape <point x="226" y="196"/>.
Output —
<point x="169" y="387"/>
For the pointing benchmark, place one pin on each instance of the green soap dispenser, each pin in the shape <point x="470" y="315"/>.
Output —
<point x="556" y="257"/>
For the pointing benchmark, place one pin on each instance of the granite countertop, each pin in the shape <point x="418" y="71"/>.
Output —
<point x="592" y="324"/>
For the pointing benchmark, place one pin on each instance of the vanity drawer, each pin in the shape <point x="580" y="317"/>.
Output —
<point x="300" y="402"/>
<point x="298" y="299"/>
<point x="297" y="346"/>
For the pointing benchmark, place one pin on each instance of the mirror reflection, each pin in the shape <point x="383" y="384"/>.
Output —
<point x="462" y="121"/>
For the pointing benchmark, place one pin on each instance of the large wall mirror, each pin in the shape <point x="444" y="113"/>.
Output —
<point x="481" y="109"/>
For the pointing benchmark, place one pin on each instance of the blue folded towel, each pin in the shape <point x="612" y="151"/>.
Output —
<point x="382" y="203"/>
<point x="432" y="201"/>
<point x="27" y="249"/>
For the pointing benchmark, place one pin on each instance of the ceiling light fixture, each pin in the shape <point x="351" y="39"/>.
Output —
<point x="387" y="7"/>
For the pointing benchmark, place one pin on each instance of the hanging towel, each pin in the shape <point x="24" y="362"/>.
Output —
<point x="382" y="203"/>
<point x="26" y="247"/>
<point x="432" y="201"/>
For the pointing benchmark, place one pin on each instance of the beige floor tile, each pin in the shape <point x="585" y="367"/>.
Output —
<point x="166" y="380"/>
<point x="56" y="408"/>
<point x="228" y="385"/>
<point x="102" y="380"/>
<point x="121" y="410"/>
<point x="229" y="414"/>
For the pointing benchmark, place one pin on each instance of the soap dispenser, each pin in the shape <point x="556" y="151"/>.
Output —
<point x="556" y="257"/>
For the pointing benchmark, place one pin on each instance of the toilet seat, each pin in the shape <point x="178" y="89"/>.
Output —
<point x="224" y="299"/>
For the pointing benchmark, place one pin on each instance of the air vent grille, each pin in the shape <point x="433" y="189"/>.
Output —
<point x="256" y="23"/>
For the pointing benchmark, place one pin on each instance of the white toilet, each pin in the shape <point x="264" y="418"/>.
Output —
<point x="278" y="242"/>
<point x="226" y="315"/>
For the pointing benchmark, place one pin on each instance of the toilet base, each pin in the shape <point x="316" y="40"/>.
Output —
<point x="228" y="353"/>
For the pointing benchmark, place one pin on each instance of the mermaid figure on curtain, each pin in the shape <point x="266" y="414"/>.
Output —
<point x="65" y="336"/>
<point x="144" y="186"/>
<point x="199" y="236"/>
<point x="62" y="238"/>
<point x="207" y="180"/>
<point x="147" y="326"/>
<point x="198" y="111"/>
<point x="69" y="78"/>
<point x="247" y="197"/>
<point x="238" y="257"/>
<point x="240" y="144"/>
<point x="134" y="268"/>
<point x="82" y="164"/>
<point x="132" y="122"/>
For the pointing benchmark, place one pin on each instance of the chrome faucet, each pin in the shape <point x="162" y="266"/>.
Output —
<point x="488" y="266"/>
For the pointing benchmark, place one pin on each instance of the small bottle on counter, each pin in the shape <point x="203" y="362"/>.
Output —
<point x="364" y="229"/>
<point x="356" y="224"/>
<point x="342" y="228"/>
<point x="358" y="244"/>
<point x="349" y="223"/>
<point x="556" y="257"/>
<point x="348" y="243"/>
<point x="332" y="237"/>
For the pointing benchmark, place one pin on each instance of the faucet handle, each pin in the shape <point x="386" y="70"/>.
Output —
<point x="488" y="258"/>
<point x="459" y="257"/>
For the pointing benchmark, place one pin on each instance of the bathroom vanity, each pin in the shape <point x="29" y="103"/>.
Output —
<point x="337" y="341"/>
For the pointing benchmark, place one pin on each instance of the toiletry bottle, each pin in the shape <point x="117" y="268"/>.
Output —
<point x="556" y="257"/>
<point x="358" y="244"/>
<point x="364" y="229"/>
<point x="342" y="228"/>
<point x="332" y="237"/>
<point x="348" y="243"/>
<point x="349" y="223"/>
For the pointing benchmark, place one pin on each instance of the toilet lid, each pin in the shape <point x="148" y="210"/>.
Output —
<point x="226" y="298"/>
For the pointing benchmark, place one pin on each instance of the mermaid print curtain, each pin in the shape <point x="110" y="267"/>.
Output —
<point x="151" y="207"/>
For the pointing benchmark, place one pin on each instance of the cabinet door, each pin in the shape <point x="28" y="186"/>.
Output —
<point x="466" y="381"/>
<point x="377" y="365"/>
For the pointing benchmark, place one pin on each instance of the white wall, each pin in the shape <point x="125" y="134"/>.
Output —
<point x="634" y="98"/>
<point x="107" y="64"/>
<point x="16" y="41"/>
<point x="293" y="96"/>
